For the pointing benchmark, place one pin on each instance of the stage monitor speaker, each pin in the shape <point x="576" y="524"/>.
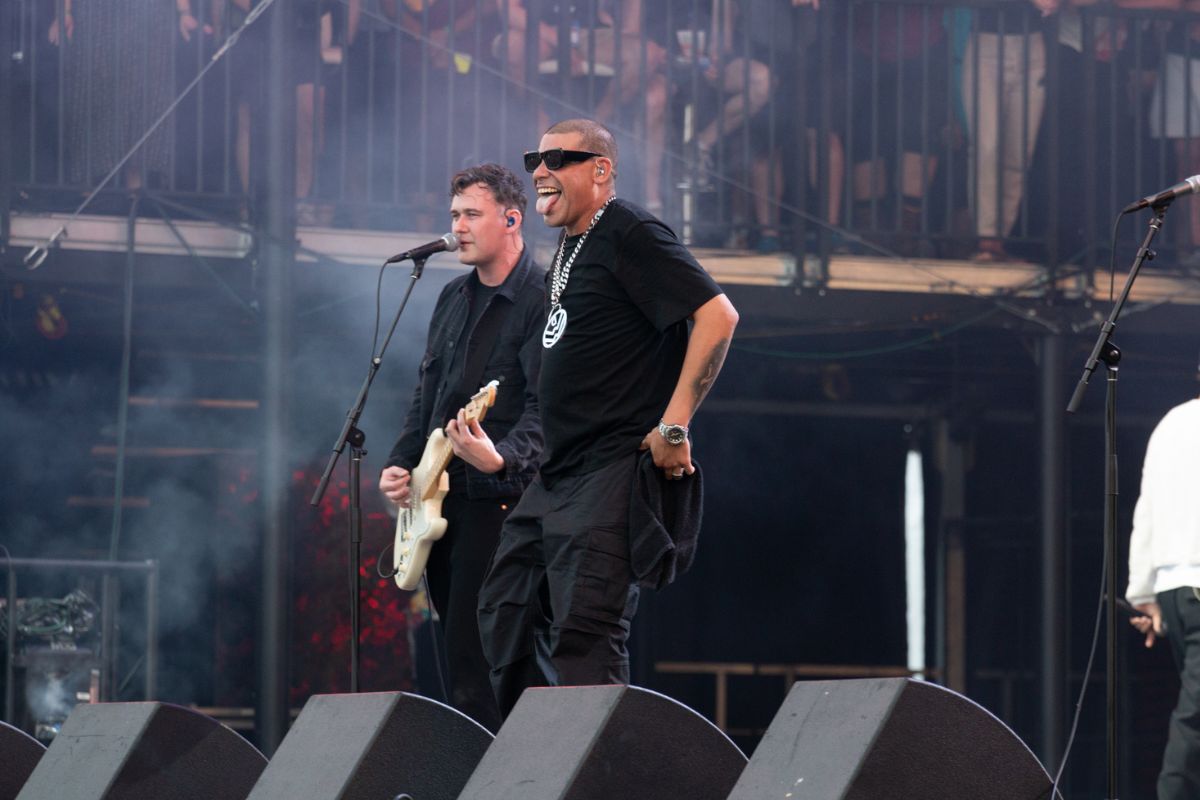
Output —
<point x="374" y="747"/>
<point x="888" y="739"/>
<point x="19" y="753"/>
<point x="593" y="742"/>
<point x="144" y="751"/>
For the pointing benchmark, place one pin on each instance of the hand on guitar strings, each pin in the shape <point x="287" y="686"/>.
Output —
<point x="393" y="482"/>
<point x="472" y="444"/>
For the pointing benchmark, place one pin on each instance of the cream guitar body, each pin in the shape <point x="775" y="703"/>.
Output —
<point x="422" y="524"/>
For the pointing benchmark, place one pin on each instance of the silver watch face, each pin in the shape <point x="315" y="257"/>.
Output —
<point x="674" y="434"/>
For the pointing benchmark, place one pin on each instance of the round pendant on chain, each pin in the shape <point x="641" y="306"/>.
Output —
<point x="556" y="323"/>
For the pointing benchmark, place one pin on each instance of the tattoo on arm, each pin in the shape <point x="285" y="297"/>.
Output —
<point x="708" y="373"/>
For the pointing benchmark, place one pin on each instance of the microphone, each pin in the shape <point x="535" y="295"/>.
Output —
<point x="448" y="243"/>
<point x="1166" y="196"/>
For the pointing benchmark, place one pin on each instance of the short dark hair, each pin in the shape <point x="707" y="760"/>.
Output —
<point x="596" y="137"/>
<point x="507" y="189"/>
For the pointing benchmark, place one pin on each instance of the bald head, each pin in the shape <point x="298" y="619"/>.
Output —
<point x="595" y="137"/>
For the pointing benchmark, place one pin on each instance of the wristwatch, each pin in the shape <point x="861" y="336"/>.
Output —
<point x="674" y="434"/>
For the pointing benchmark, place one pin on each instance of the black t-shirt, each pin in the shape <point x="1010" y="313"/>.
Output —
<point x="608" y="379"/>
<point x="480" y="296"/>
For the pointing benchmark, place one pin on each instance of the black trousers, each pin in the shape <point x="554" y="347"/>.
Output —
<point x="558" y="601"/>
<point x="456" y="566"/>
<point x="1180" y="776"/>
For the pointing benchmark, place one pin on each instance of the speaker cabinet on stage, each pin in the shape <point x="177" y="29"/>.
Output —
<point x="19" y="754"/>
<point x="374" y="747"/>
<point x="890" y="739"/>
<point x="603" y="742"/>
<point x="144" y="751"/>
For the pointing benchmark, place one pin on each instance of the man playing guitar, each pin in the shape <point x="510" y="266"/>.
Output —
<point x="487" y="325"/>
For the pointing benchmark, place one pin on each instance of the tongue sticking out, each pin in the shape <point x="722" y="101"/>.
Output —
<point x="545" y="202"/>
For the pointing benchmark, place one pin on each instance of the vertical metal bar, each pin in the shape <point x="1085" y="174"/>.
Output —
<point x="803" y="84"/>
<point x="998" y="167"/>
<point x="343" y="108"/>
<point x="873" y="116"/>
<point x="397" y="131"/>
<point x="1113" y="549"/>
<point x="279" y="220"/>
<point x="423" y="93"/>
<point x="948" y="161"/>
<point x="743" y="137"/>
<point x="199" y="127"/>
<point x="150" y="687"/>
<point x="60" y="115"/>
<point x="7" y="113"/>
<point x="114" y="540"/>
<point x="1090" y="125"/>
<point x="450" y="140"/>
<point x="1138" y="59"/>
<point x="1053" y="537"/>
<point x="1050" y="116"/>
<point x="228" y="123"/>
<point x="848" y="110"/>
<point x="926" y="104"/>
<point x="952" y="458"/>
<point x="505" y="81"/>
<point x="1026" y="180"/>
<point x="172" y="124"/>
<point x="477" y="84"/>
<point x="29" y="27"/>
<point x="896" y="174"/>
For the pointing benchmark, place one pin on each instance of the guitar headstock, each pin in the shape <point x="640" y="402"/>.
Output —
<point x="476" y="408"/>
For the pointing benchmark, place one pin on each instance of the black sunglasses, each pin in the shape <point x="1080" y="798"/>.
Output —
<point x="556" y="158"/>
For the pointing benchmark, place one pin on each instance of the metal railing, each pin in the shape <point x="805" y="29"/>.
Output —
<point x="919" y="129"/>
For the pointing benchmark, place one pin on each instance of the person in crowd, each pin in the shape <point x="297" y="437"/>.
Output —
<point x="1175" y="114"/>
<point x="1004" y="95"/>
<point x="614" y="45"/>
<point x="900" y="87"/>
<point x="1164" y="576"/>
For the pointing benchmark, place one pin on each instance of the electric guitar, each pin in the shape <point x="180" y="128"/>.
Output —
<point x="422" y="524"/>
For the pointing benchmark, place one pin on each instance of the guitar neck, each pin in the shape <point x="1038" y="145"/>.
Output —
<point x="439" y="455"/>
<point x="441" y="460"/>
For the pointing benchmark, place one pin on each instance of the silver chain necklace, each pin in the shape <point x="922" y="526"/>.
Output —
<point x="556" y="322"/>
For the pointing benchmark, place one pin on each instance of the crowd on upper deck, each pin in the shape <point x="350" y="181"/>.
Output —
<point x="921" y="129"/>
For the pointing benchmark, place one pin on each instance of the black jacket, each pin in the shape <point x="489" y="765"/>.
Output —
<point x="516" y="356"/>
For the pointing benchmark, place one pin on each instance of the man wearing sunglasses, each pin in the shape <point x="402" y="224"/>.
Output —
<point x="487" y="325"/>
<point x="620" y="373"/>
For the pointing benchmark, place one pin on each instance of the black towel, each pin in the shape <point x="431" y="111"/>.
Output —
<point x="664" y="522"/>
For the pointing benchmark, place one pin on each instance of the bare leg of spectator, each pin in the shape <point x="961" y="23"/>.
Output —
<point x="916" y="171"/>
<point x="242" y="145"/>
<point x="766" y="182"/>
<point x="638" y="78"/>
<point x="870" y="188"/>
<point x="1002" y="105"/>
<point x="310" y="117"/>
<point x="747" y="84"/>
<point x="837" y="174"/>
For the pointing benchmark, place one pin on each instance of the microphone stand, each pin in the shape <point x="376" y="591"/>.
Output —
<point x="1104" y="350"/>
<point x="351" y="435"/>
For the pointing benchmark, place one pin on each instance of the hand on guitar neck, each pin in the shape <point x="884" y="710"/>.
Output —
<point x="472" y="444"/>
